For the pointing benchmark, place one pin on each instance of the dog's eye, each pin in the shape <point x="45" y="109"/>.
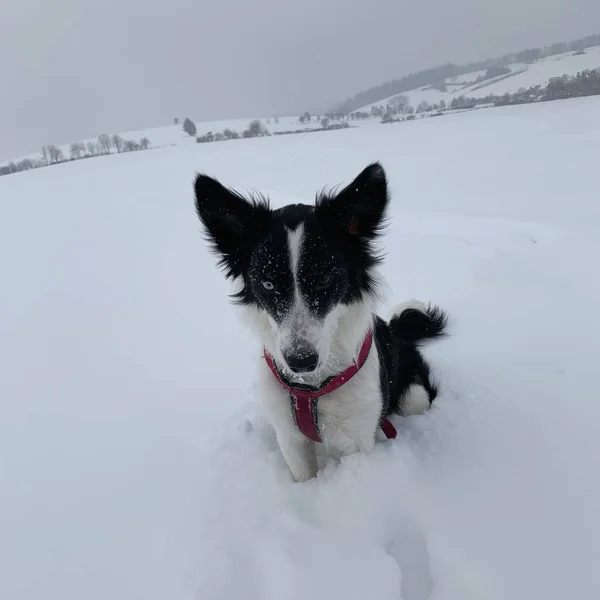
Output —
<point x="268" y="286"/>
<point x="324" y="281"/>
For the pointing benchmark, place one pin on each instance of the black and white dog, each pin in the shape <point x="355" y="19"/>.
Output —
<point x="332" y="370"/>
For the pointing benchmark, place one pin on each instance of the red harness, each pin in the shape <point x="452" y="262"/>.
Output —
<point x="303" y="400"/>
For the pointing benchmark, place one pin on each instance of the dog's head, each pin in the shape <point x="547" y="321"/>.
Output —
<point x="300" y="270"/>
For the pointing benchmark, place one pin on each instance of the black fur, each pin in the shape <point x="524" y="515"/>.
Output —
<point x="339" y="233"/>
<point x="402" y="364"/>
<point x="414" y="326"/>
<point x="233" y="224"/>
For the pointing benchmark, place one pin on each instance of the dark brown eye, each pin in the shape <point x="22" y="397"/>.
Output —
<point x="324" y="281"/>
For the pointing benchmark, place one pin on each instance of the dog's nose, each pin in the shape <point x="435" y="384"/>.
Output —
<point x="302" y="363"/>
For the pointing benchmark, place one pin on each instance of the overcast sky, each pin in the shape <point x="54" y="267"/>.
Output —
<point x="71" y="69"/>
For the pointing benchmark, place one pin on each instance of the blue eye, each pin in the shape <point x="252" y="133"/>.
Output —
<point x="324" y="281"/>
<point x="268" y="286"/>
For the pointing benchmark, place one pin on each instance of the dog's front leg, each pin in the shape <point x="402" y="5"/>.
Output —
<point x="346" y="444"/>
<point x="299" y="452"/>
<point x="300" y="455"/>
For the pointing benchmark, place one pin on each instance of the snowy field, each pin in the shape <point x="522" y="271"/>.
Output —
<point x="134" y="463"/>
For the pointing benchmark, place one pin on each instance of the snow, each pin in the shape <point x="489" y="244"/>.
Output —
<point x="524" y="76"/>
<point x="465" y="78"/>
<point x="134" y="461"/>
<point x="540" y="72"/>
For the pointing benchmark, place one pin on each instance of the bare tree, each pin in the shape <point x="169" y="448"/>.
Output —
<point x="92" y="149"/>
<point x="77" y="150"/>
<point x="55" y="153"/>
<point x="131" y="145"/>
<point x="45" y="155"/>
<point x="26" y="164"/>
<point x="145" y="143"/>
<point x="104" y="143"/>
<point x="118" y="142"/>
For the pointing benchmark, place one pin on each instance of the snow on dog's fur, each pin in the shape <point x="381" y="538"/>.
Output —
<point x="306" y="277"/>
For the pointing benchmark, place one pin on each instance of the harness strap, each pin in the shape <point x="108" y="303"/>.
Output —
<point x="303" y="402"/>
<point x="305" y="414"/>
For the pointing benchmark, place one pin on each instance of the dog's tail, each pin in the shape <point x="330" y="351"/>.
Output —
<point x="414" y="322"/>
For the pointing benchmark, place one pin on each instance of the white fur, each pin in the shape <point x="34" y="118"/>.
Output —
<point x="412" y="303"/>
<point x="295" y="239"/>
<point x="337" y="340"/>
<point x="348" y="418"/>
<point x="416" y="401"/>
<point x="299" y="328"/>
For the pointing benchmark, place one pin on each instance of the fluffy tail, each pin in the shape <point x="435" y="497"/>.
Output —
<point x="414" y="322"/>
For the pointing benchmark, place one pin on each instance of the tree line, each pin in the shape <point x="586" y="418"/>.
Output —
<point x="255" y="129"/>
<point x="584" y="83"/>
<point x="53" y="155"/>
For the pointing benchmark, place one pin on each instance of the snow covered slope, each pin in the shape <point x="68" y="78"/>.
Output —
<point x="133" y="460"/>
<point x="174" y="135"/>
<point x="524" y="76"/>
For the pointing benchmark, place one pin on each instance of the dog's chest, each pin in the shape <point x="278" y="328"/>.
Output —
<point x="348" y="411"/>
<point x="346" y="417"/>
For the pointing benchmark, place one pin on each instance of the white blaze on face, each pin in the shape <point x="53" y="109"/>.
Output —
<point x="300" y="331"/>
<point x="295" y="241"/>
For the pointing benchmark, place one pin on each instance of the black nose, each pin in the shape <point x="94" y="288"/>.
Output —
<point x="302" y="363"/>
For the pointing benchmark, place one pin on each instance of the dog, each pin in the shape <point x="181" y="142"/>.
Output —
<point x="306" y="277"/>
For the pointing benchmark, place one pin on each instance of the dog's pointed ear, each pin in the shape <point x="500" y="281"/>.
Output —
<point x="359" y="208"/>
<point x="232" y="222"/>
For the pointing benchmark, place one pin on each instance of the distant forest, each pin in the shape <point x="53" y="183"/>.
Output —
<point x="435" y="77"/>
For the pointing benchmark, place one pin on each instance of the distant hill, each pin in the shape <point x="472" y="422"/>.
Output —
<point x="437" y="76"/>
<point x="487" y="86"/>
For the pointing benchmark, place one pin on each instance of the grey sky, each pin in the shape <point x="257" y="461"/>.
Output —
<point x="71" y="69"/>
